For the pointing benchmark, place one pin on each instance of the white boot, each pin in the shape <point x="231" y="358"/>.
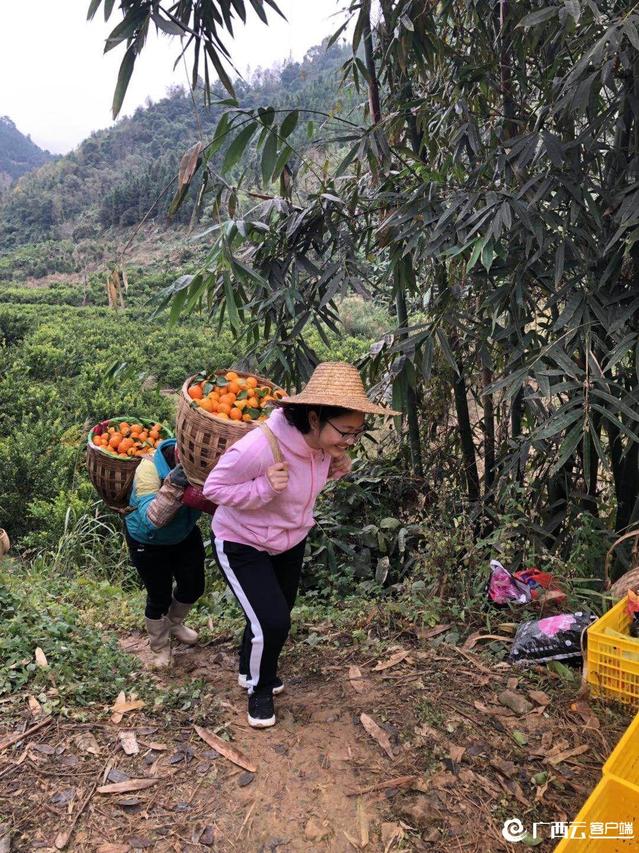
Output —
<point x="176" y="616"/>
<point x="159" y="631"/>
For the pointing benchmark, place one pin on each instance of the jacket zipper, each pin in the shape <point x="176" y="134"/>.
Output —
<point x="310" y="498"/>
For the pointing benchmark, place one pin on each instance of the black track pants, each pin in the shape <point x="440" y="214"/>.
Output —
<point x="265" y="587"/>
<point x="159" y="565"/>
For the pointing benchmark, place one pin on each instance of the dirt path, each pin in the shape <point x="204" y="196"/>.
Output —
<point x="461" y="771"/>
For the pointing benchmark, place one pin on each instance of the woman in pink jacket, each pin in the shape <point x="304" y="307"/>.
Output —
<point x="265" y="512"/>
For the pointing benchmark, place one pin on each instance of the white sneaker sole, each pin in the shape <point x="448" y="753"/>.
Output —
<point x="257" y="723"/>
<point x="245" y="683"/>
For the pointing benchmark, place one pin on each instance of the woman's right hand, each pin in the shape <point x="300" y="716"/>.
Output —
<point x="277" y="476"/>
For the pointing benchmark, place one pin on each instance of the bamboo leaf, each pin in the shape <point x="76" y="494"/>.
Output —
<point x="124" y="76"/>
<point x="289" y="124"/>
<point x="237" y="148"/>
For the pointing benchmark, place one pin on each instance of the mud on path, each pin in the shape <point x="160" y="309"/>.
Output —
<point x="446" y="765"/>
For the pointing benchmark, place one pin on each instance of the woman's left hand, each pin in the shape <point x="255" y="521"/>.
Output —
<point x="341" y="466"/>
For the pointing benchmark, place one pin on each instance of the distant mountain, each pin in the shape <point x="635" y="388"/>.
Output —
<point x="18" y="154"/>
<point x="116" y="175"/>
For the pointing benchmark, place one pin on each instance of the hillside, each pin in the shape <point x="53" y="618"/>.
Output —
<point x="114" y="176"/>
<point x="18" y="153"/>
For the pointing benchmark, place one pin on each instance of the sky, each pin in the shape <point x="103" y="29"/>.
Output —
<point x="57" y="84"/>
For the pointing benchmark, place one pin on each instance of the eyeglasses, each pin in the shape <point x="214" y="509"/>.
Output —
<point x="354" y="436"/>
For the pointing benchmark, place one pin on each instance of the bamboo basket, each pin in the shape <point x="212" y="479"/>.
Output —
<point x="5" y="544"/>
<point x="111" y="476"/>
<point x="201" y="437"/>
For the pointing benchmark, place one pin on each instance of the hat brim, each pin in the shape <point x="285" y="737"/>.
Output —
<point x="364" y="406"/>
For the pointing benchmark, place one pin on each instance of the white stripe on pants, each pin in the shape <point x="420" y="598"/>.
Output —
<point x="257" y="644"/>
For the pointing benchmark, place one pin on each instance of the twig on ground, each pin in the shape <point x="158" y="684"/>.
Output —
<point x="16" y="738"/>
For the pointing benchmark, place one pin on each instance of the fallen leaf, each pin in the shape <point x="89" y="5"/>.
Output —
<point x="378" y="734"/>
<point x="63" y="797"/>
<point x="392" y="833"/>
<point x="139" y="842"/>
<point x="519" y="738"/>
<point x="364" y="824"/>
<point x="115" y="775"/>
<point x="427" y="633"/>
<point x="508" y="768"/>
<point x="456" y="753"/>
<point x="61" y="840"/>
<point x="472" y="641"/>
<point x="34" y="706"/>
<point x="87" y="743"/>
<point x="393" y="660"/>
<point x="208" y="836"/>
<point x="125" y="787"/>
<point x="112" y="848"/>
<point x="226" y="749"/>
<point x="540" y="697"/>
<point x="355" y="678"/>
<point x="125" y="707"/>
<point x="41" y="659"/>
<point x="158" y="747"/>
<point x="129" y="742"/>
<point x="352" y="841"/>
<point x="129" y="802"/>
<point x="245" y="779"/>
<point x="515" y="701"/>
<point x="566" y="754"/>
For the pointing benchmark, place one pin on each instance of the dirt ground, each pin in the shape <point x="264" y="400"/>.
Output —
<point x="438" y="762"/>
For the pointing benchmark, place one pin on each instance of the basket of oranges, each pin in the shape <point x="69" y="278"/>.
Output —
<point x="114" y="450"/>
<point x="216" y="411"/>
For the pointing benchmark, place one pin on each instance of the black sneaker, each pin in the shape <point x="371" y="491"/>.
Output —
<point x="245" y="682"/>
<point x="261" y="714"/>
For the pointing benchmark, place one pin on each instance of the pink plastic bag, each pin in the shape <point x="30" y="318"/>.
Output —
<point x="503" y="588"/>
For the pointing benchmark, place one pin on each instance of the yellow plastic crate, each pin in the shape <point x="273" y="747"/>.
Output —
<point x="610" y="805"/>
<point x="613" y="662"/>
<point x="623" y="761"/>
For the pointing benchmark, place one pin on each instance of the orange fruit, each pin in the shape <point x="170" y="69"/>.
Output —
<point x="136" y="427"/>
<point x="234" y="387"/>
<point x="144" y="435"/>
<point x="247" y="418"/>
<point x="253" y="403"/>
<point x="125" y="428"/>
<point x="155" y="433"/>
<point x="228" y="398"/>
<point x="267" y="399"/>
<point x="241" y="404"/>
<point x="222" y="415"/>
<point x="115" y="440"/>
<point x="224" y="409"/>
<point x="195" y="392"/>
<point x="215" y="396"/>
<point x="231" y="376"/>
<point x="251" y="382"/>
<point x="125" y="444"/>
<point x="131" y="451"/>
<point x="206" y="404"/>
<point x="235" y="414"/>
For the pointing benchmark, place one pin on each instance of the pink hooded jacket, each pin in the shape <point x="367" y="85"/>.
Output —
<point x="249" y="510"/>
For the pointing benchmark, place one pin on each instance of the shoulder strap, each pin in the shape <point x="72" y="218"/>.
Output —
<point x="274" y="443"/>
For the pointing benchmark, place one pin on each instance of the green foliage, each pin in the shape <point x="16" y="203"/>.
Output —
<point x="85" y="663"/>
<point x="118" y="175"/>
<point x="18" y="153"/>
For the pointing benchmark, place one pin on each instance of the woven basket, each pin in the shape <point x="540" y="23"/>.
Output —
<point x="112" y="477"/>
<point x="201" y="437"/>
<point x="5" y="544"/>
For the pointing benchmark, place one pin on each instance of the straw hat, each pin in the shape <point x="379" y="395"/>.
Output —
<point x="336" y="383"/>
